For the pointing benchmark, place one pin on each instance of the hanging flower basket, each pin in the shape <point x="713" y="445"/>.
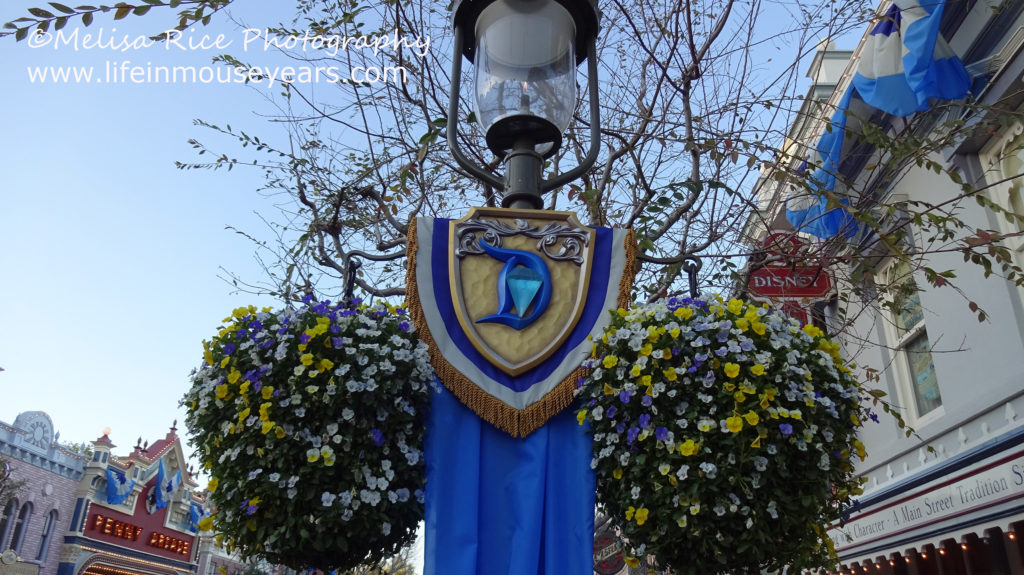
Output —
<point x="723" y="435"/>
<point x="310" y="422"/>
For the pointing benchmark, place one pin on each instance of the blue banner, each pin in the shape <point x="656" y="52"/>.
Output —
<point x="500" y="505"/>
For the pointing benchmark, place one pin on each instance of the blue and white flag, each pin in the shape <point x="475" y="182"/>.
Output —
<point x="195" y="514"/>
<point x="165" y="487"/>
<point x="906" y="61"/>
<point x="809" y="212"/>
<point x="119" y="487"/>
<point x="904" y="64"/>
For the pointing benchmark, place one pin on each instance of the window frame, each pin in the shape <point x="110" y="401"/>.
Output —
<point x="1006" y="147"/>
<point x="898" y="342"/>
<point x="21" y="527"/>
<point x="7" y="517"/>
<point x="49" y="526"/>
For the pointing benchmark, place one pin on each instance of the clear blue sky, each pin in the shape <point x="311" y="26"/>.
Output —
<point x="109" y="255"/>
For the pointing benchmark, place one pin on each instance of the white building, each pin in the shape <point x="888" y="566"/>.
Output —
<point x="949" y="499"/>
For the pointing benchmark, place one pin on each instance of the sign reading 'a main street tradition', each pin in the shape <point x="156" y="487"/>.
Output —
<point x="990" y="485"/>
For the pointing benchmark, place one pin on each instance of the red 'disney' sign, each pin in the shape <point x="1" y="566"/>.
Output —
<point x="779" y="282"/>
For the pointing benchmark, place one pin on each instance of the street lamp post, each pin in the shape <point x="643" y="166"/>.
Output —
<point x="525" y="54"/>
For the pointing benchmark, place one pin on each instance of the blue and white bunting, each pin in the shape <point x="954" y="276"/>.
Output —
<point x="119" y="487"/>
<point x="904" y="64"/>
<point x="195" y="514"/>
<point x="165" y="487"/>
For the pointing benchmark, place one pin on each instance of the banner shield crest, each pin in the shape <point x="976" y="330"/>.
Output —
<point x="506" y="299"/>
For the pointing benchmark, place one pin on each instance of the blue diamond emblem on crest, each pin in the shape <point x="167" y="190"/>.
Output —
<point x="524" y="284"/>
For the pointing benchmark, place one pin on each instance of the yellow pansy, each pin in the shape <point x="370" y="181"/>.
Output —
<point x="670" y="374"/>
<point x="635" y="371"/>
<point x="224" y="362"/>
<point x="267" y="392"/>
<point x="610" y="361"/>
<point x="758" y="327"/>
<point x="581" y="416"/>
<point x="266" y="427"/>
<point x="641" y="516"/>
<point x="234" y="375"/>
<point x="739" y="396"/>
<point x="243" y="414"/>
<point x="632" y="562"/>
<point x="861" y="452"/>
<point x="609" y="390"/>
<point x="683" y="313"/>
<point x="751" y="417"/>
<point x="675" y="332"/>
<point x="630" y="512"/>
<point x="735" y="306"/>
<point x="621" y="312"/>
<point x="688" y="448"/>
<point x="646" y="349"/>
<point x="732" y="369"/>
<point x="279" y="431"/>
<point x="207" y="354"/>
<point x="325" y="364"/>
<point x="244" y="388"/>
<point x="743" y="324"/>
<point x="757" y="369"/>
<point x="206" y="524"/>
<point x="812" y="331"/>
<point x="646" y="380"/>
<point x="734" y="423"/>
<point x="221" y="391"/>
<point x="795" y="414"/>
<point x="212" y="485"/>
<point x="306" y="359"/>
<point x="617" y="474"/>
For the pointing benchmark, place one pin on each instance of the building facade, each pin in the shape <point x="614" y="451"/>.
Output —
<point x="145" y="528"/>
<point x="32" y="525"/>
<point x="948" y="498"/>
<point x="96" y="514"/>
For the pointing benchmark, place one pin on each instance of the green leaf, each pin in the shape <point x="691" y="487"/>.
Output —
<point x="60" y="22"/>
<point x="62" y="8"/>
<point x="20" y="34"/>
<point x="140" y="10"/>
<point x="87" y="18"/>
<point x="39" y="12"/>
<point x="122" y="12"/>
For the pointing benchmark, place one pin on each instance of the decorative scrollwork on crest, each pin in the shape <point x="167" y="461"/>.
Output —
<point x="560" y="242"/>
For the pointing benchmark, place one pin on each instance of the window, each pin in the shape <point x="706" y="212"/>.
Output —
<point x="6" y="519"/>
<point x="21" y="526"/>
<point x="48" y="529"/>
<point x="1003" y="162"/>
<point x="916" y="380"/>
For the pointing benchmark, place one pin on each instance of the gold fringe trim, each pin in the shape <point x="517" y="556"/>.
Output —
<point x="517" y="423"/>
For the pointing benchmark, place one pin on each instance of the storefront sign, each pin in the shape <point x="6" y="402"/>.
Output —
<point x="785" y="282"/>
<point x="131" y="532"/>
<point x="608" y="558"/>
<point x="987" y="486"/>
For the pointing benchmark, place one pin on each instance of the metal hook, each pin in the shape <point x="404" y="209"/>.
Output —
<point x="350" y="279"/>
<point x="692" y="265"/>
